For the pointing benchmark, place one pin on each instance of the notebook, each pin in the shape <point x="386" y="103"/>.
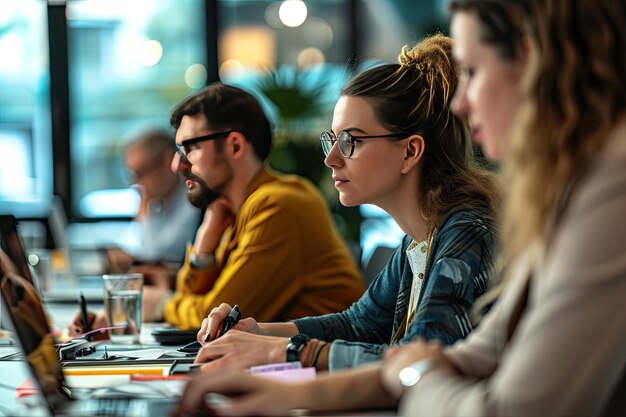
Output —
<point x="22" y="306"/>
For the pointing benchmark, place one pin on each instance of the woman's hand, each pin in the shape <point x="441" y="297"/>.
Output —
<point x="212" y="324"/>
<point x="241" y="350"/>
<point x="398" y="358"/>
<point x="247" y="395"/>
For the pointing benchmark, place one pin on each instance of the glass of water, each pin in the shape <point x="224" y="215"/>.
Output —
<point x="122" y="303"/>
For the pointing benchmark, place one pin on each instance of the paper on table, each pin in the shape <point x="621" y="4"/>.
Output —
<point x="151" y="389"/>
<point x="95" y="381"/>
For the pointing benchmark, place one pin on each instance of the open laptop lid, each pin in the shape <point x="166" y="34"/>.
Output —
<point x="22" y="305"/>
<point x="11" y="244"/>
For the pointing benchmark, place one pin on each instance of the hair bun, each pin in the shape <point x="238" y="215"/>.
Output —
<point x="429" y="50"/>
<point x="410" y="58"/>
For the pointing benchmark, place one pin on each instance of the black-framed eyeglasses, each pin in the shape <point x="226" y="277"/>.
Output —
<point x="183" y="147"/>
<point x="346" y="141"/>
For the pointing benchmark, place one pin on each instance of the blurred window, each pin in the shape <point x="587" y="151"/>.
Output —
<point x="25" y="144"/>
<point x="385" y="26"/>
<point x="130" y="62"/>
<point x="292" y="54"/>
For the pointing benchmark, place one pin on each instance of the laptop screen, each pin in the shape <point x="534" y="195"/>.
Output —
<point x="11" y="244"/>
<point x="23" y="306"/>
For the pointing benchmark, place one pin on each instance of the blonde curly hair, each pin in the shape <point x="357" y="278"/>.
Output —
<point x="575" y="93"/>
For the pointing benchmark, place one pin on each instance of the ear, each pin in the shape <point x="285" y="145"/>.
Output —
<point x="237" y="145"/>
<point x="413" y="153"/>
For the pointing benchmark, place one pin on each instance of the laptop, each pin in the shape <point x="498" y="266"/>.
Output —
<point x="11" y="244"/>
<point x="22" y="306"/>
<point x="83" y="262"/>
<point x="63" y="291"/>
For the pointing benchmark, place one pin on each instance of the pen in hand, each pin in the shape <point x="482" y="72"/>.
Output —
<point x="228" y="323"/>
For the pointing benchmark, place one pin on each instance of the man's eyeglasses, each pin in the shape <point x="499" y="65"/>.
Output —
<point x="183" y="148"/>
<point x="346" y="141"/>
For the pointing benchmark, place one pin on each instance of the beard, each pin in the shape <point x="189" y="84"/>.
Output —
<point x="201" y="195"/>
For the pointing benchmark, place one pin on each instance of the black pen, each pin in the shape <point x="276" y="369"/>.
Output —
<point x="83" y="312"/>
<point x="171" y="372"/>
<point x="229" y="322"/>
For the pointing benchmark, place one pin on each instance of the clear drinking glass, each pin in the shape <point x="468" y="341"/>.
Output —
<point x="122" y="303"/>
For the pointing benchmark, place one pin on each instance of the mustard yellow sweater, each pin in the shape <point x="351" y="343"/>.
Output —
<point x="281" y="259"/>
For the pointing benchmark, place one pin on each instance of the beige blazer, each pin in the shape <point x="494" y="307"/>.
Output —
<point x="566" y="355"/>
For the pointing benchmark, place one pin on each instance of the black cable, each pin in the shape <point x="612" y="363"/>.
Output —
<point x="6" y="386"/>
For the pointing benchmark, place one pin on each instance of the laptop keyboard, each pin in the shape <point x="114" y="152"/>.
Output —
<point x="114" y="407"/>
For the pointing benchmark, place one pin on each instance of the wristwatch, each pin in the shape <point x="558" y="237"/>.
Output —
<point x="295" y="345"/>
<point x="201" y="260"/>
<point x="411" y="375"/>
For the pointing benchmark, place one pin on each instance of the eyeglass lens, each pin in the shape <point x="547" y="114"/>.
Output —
<point x="344" y="143"/>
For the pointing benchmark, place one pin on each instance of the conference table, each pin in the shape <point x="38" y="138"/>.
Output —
<point x="14" y="370"/>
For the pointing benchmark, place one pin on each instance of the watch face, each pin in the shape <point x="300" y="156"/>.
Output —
<point x="409" y="376"/>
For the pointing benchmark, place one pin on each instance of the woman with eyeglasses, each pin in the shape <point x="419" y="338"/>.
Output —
<point x="394" y="143"/>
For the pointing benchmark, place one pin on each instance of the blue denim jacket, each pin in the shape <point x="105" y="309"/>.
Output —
<point x="458" y="270"/>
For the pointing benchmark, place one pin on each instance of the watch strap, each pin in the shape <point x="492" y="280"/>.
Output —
<point x="295" y="345"/>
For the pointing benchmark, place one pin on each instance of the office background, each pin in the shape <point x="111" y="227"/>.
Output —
<point x="78" y="77"/>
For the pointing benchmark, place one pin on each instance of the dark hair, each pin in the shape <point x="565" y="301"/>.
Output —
<point x="228" y="107"/>
<point x="414" y="97"/>
<point x="501" y="22"/>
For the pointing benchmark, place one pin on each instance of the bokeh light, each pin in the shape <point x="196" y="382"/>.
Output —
<point x="150" y="53"/>
<point x="309" y="57"/>
<point x="196" y="76"/>
<point x="292" y="13"/>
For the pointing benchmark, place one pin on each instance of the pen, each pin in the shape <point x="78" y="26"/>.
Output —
<point x="172" y="367"/>
<point x="228" y="323"/>
<point x="83" y="312"/>
<point x="230" y="320"/>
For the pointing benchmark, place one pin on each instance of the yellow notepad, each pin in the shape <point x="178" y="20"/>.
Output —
<point x="152" y="369"/>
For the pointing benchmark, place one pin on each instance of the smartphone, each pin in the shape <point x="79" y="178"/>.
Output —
<point x="185" y="368"/>
<point x="192" y="347"/>
<point x="173" y="336"/>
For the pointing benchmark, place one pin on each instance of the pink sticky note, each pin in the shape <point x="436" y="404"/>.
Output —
<point x="270" y="367"/>
<point x="289" y="375"/>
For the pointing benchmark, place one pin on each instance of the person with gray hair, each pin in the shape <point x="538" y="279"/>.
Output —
<point x="166" y="218"/>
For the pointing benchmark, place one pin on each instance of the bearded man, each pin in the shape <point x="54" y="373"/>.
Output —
<point x="267" y="242"/>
